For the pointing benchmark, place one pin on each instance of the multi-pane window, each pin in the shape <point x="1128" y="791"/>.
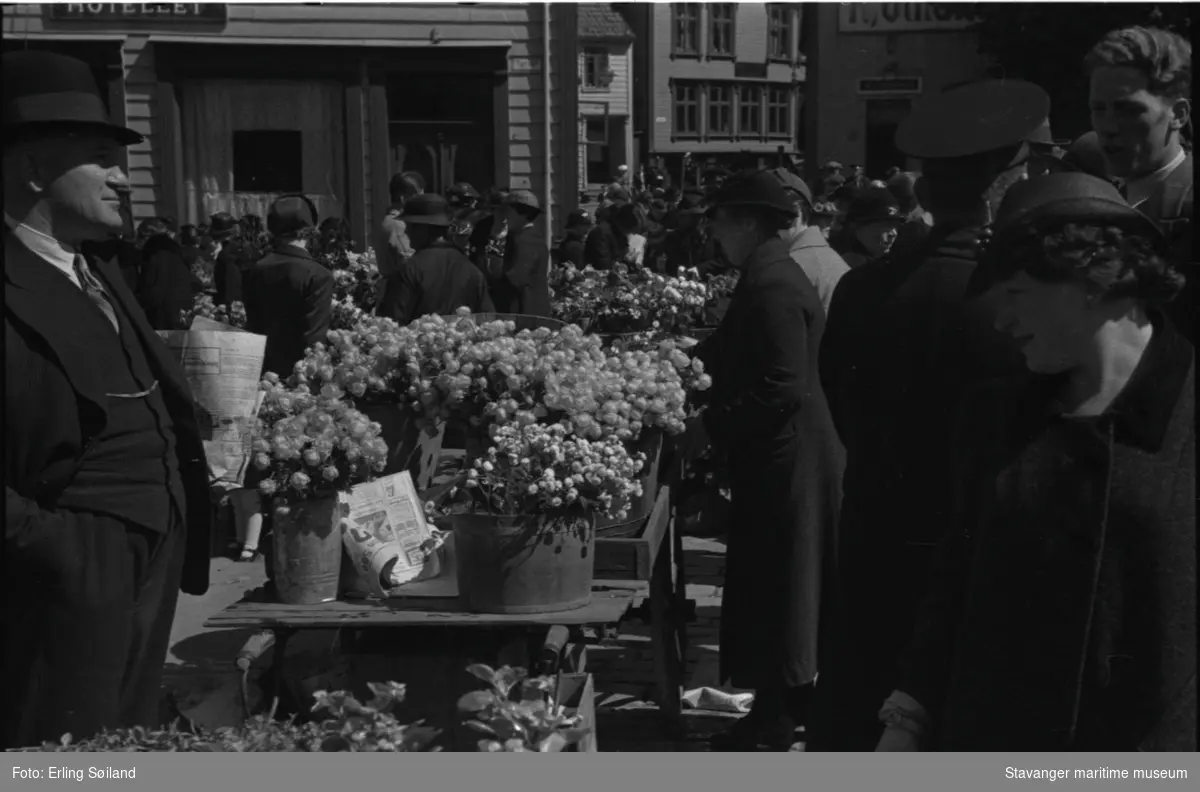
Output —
<point x="778" y="112"/>
<point x="595" y="69"/>
<point x="687" y="109"/>
<point x="749" y="110"/>
<point x="720" y="28"/>
<point x="686" y="28"/>
<point x="779" y="32"/>
<point x="720" y="110"/>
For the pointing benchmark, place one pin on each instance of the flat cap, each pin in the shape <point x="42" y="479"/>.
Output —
<point x="973" y="119"/>
<point x="794" y="183"/>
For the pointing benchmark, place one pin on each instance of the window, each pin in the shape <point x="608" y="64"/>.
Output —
<point x="720" y="110"/>
<point x="720" y="29"/>
<point x="597" y="75"/>
<point x="597" y="131"/>
<point x="749" y="111"/>
<point x="779" y="32"/>
<point x="778" y="112"/>
<point x="685" y="29"/>
<point x="687" y="109"/>
<point x="268" y="161"/>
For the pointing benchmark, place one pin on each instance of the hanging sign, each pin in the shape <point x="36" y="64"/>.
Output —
<point x="140" y="12"/>
<point x="904" y="17"/>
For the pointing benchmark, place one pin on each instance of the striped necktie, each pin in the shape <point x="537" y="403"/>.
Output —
<point x="95" y="291"/>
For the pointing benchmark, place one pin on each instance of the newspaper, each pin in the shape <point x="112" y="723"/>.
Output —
<point x="223" y="368"/>
<point x="386" y="535"/>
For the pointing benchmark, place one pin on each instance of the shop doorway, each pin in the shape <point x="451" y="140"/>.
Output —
<point x="883" y="118"/>
<point x="443" y="127"/>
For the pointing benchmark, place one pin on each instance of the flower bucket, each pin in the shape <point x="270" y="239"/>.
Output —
<point x="307" y="547"/>
<point x="409" y="448"/>
<point x="649" y="442"/>
<point x="534" y="563"/>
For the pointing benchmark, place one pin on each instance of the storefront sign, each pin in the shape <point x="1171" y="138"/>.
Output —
<point x="128" y="12"/>
<point x="889" y="86"/>
<point x="903" y="17"/>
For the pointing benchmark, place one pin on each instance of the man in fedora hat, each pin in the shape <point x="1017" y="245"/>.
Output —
<point x="289" y="295"/>
<point x="523" y="285"/>
<point x="106" y="485"/>
<point x="231" y="258"/>
<point x="901" y="346"/>
<point x="438" y="279"/>
<point x="766" y="412"/>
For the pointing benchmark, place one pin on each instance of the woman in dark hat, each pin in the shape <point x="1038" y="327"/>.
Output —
<point x="869" y="230"/>
<point x="166" y="285"/>
<point x="522" y="286"/>
<point x="488" y="232"/>
<point x="608" y="243"/>
<point x="570" y="248"/>
<point x="1061" y="614"/>
<point x="766" y="411"/>
<point x="232" y="256"/>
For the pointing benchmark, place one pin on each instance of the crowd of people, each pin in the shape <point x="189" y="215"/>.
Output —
<point x="956" y="406"/>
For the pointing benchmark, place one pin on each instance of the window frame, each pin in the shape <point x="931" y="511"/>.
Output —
<point x="591" y="53"/>
<point x="681" y="13"/>
<point x="785" y="109"/>
<point x="741" y="132"/>
<point x="714" y="106"/>
<point x="677" y="103"/>
<point x="780" y="23"/>
<point x="711" y="28"/>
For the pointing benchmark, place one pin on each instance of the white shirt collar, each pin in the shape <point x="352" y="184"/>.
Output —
<point x="45" y="247"/>
<point x="1139" y="191"/>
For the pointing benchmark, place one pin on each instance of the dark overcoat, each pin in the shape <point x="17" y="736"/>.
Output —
<point x="289" y="299"/>
<point x="437" y="280"/>
<point x="1062" y="612"/>
<point x="917" y="343"/>
<point x="165" y="286"/>
<point x="767" y="411"/>
<point x="523" y="287"/>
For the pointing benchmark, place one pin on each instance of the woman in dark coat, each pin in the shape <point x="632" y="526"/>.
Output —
<point x="767" y="412"/>
<point x="166" y="286"/>
<point x="1062" y="612"/>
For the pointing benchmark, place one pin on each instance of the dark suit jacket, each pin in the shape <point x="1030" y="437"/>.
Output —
<point x="230" y="267"/>
<point x="604" y="247"/>
<point x="54" y="410"/>
<point x="436" y="280"/>
<point x="289" y="299"/>
<point x="524" y="285"/>
<point x="165" y="287"/>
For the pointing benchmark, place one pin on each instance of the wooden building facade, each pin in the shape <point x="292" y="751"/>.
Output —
<point x="239" y="103"/>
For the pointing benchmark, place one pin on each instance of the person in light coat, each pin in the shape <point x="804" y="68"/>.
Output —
<point x="808" y="246"/>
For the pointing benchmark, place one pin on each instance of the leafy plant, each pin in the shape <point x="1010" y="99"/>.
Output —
<point x="519" y="714"/>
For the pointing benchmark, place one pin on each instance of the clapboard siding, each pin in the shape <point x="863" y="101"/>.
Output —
<point x="516" y="26"/>
<point x="617" y="95"/>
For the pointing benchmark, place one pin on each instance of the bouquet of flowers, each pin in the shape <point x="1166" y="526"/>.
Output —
<point x="356" y="278"/>
<point x="202" y="305"/>
<point x="313" y="445"/>
<point x="346" y="314"/>
<point x="629" y="299"/>
<point x="539" y="468"/>
<point x="577" y="293"/>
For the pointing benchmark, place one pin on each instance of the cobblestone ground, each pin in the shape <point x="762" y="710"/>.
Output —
<point x="202" y="678"/>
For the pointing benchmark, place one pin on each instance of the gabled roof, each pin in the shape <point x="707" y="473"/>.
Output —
<point x="601" y="21"/>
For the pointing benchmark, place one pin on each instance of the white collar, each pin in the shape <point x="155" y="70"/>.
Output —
<point x="45" y="247"/>
<point x="1139" y="191"/>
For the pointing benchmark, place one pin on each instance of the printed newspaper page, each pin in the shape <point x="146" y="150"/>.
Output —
<point x="223" y="368"/>
<point x="386" y="524"/>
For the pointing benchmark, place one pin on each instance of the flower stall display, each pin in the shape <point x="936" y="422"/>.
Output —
<point x="356" y="278"/>
<point x="628" y="299"/>
<point x="525" y="535"/>
<point x="233" y="315"/>
<point x="308" y="448"/>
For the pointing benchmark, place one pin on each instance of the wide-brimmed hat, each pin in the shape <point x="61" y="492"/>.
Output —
<point x="46" y="91"/>
<point x="291" y="213"/>
<point x="222" y="225"/>
<point x="874" y="205"/>
<point x="1050" y="202"/>
<point x="989" y="115"/>
<point x="524" y="198"/>
<point x="760" y="189"/>
<point x="427" y="209"/>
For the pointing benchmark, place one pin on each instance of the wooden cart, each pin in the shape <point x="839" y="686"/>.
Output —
<point x="652" y="558"/>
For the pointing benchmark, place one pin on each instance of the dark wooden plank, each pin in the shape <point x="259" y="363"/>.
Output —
<point x="608" y="606"/>
<point x="356" y="187"/>
<point x="577" y="694"/>
<point x="632" y="558"/>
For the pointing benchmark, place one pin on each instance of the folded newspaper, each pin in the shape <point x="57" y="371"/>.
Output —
<point x="386" y="536"/>
<point x="223" y="366"/>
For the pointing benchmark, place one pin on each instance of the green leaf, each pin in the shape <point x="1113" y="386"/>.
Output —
<point x="476" y="701"/>
<point x="482" y="672"/>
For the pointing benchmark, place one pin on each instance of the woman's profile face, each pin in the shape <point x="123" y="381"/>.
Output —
<point x="1051" y="323"/>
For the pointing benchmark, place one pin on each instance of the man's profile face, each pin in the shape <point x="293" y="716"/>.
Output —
<point x="1135" y="126"/>
<point x="79" y="178"/>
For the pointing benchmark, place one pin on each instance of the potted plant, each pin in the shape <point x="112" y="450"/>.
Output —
<point x="307" y="449"/>
<point x="518" y="714"/>
<point x="524" y="518"/>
